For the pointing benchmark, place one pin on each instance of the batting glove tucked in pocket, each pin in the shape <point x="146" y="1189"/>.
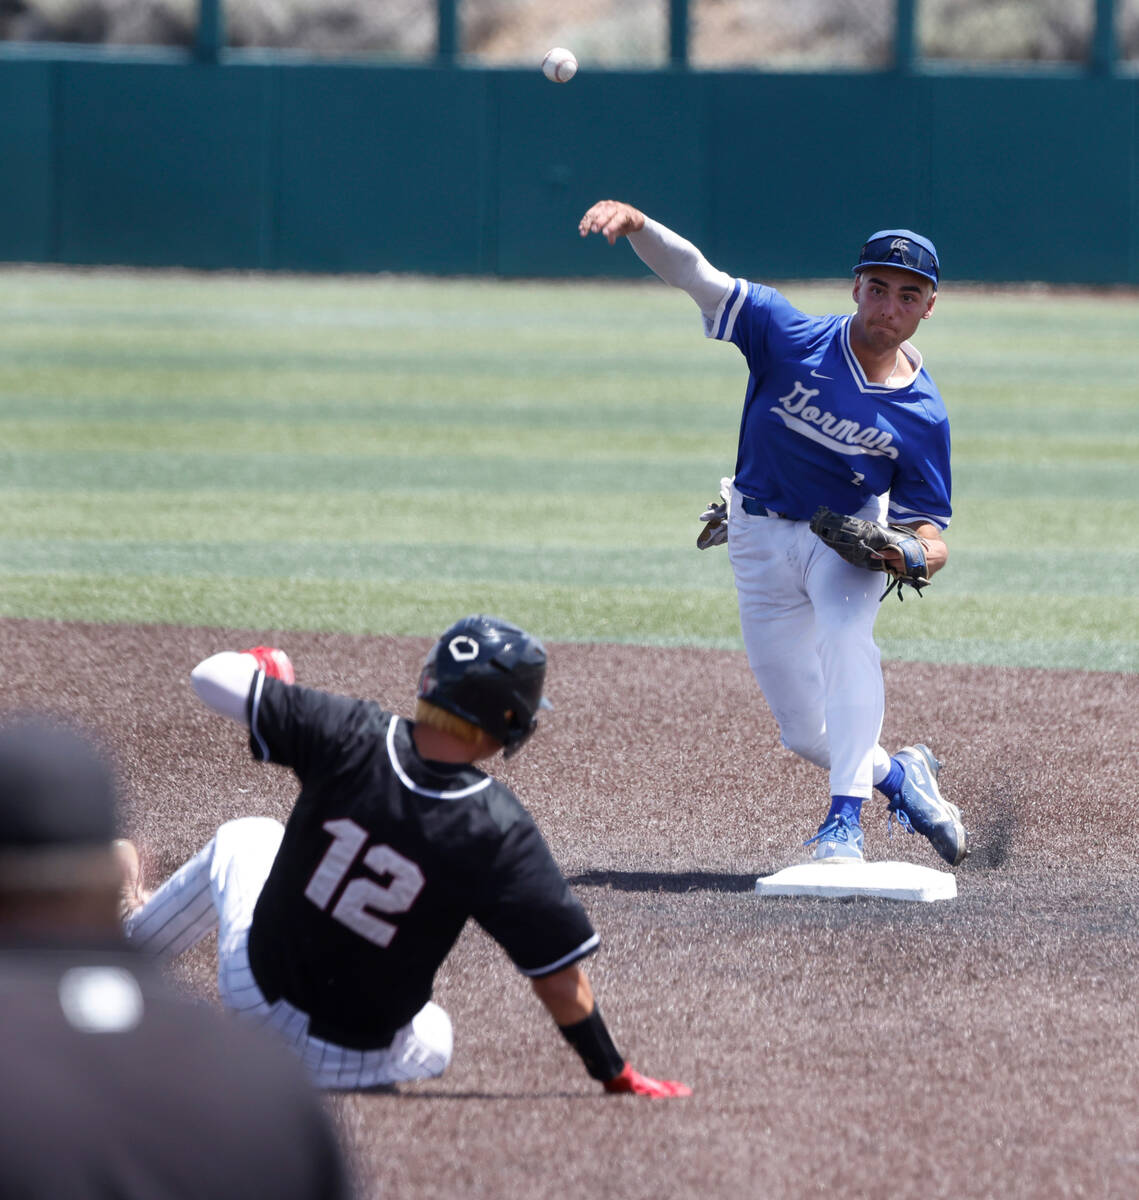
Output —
<point x="715" y="518"/>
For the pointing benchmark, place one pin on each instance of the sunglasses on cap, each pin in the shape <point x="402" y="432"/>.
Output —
<point x="900" y="249"/>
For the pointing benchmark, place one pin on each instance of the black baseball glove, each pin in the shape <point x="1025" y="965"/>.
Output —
<point x="862" y="542"/>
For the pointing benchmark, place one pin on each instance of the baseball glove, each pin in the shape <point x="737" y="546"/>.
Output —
<point x="862" y="542"/>
<point x="715" y="517"/>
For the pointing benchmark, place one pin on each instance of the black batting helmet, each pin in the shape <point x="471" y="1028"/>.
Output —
<point x="490" y="673"/>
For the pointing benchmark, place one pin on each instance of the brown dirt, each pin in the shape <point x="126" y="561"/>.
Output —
<point x="970" y="1048"/>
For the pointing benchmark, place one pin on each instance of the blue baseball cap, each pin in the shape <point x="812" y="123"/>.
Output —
<point x="900" y="248"/>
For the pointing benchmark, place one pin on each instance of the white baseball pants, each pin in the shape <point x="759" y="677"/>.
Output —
<point x="807" y="619"/>
<point x="218" y="889"/>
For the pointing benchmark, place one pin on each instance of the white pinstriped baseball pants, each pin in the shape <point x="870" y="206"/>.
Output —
<point x="807" y="619"/>
<point x="218" y="889"/>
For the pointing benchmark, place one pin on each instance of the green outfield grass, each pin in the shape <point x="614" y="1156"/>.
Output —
<point x="381" y="455"/>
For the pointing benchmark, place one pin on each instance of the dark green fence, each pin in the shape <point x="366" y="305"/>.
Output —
<point x="204" y="161"/>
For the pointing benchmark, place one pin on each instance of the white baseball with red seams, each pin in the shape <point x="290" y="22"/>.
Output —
<point x="559" y="65"/>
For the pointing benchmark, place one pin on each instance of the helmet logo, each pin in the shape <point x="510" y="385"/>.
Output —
<point x="463" y="648"/>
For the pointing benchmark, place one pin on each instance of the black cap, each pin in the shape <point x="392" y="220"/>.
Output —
<point x="56" y="787"/>
<point x="490" y="673"/>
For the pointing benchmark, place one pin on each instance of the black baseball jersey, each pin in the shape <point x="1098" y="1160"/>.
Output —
<point x="384" y="858"/>
<point x="117" y="1088"/>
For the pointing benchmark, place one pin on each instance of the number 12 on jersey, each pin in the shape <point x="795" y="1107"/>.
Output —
<point x="364" y="897"/>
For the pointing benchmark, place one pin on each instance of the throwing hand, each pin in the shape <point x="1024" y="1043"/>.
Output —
<point x="612" y="219"/>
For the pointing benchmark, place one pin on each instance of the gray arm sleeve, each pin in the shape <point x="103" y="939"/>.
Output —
<point x="679" y="263"/>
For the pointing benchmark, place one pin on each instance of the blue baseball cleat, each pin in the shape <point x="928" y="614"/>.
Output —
<point x="921" y="808"/>
<point x="839" y="840"/>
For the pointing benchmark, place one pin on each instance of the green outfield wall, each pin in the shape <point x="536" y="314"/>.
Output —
<point x="158" y="159"/>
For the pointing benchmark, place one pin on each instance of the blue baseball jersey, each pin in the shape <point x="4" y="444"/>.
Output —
<point x="815" y="431"/>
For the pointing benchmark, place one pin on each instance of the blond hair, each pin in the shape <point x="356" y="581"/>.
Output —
<point x="438" y="718"/>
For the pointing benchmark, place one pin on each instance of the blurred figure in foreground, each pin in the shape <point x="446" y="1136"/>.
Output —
<point x="116" y="1087"/>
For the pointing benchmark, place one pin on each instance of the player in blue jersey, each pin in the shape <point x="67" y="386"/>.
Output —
<point x="839" y="411"/>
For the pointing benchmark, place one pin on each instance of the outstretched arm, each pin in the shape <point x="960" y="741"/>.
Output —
<point x="669" y="256"/>
<point x="223" y="680"/>
<point x="568" y="996"/>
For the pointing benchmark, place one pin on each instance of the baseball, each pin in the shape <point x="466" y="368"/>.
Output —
<point x="559" y="65"/>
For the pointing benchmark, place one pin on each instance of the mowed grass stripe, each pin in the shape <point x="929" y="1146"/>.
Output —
<point x="420" y="430"/>
<point x="1058" y="452"/>
<point x="415" y="464"/>
<point x="408" y="400"/>
<point x="1042" y="523"/>
<point x="310" y="476"/>
<point x="417" y="516"/>
<point x="975" y="573"/>
<point x="644" y="450"/>
<point x="396" y="563"/>
<point x="1042" y="630"/>
<point x="995" y="631"/>
<point x="585" y="361"/>
<point x="1091" y="653"/>
<point x="607" y="519"/>
<point x="977" y="480"/>
<point x="571" y="613"/>
<point x="608" y="424"/>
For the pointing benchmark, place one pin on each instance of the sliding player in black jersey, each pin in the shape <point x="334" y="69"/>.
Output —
<point x="331" y="928"/>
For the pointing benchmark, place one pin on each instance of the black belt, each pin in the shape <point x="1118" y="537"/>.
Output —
<point x="757" y="508"/>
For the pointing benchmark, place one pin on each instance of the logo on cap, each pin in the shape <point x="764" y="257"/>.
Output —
<point x="900" y="246"/>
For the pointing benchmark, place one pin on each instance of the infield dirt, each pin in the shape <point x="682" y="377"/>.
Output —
<point x="978" y="1047"/>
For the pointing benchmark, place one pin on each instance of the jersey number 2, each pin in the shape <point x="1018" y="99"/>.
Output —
<point x="363" y="898"/>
